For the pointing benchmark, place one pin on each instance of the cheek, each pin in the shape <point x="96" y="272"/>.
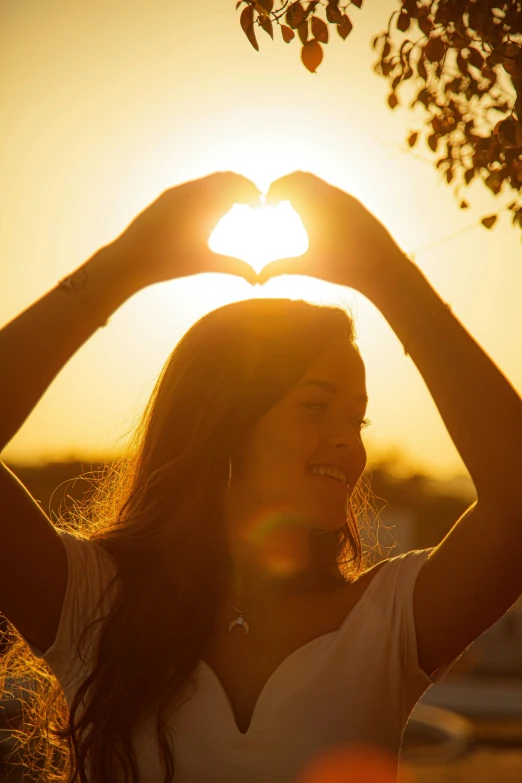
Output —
<point x="292" y="445"/>
<point x="280" y="451"/>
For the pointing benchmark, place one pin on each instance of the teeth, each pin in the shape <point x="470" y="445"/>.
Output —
<point x="326" y="470"/>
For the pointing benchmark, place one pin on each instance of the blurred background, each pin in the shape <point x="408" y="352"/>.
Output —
<point x="106" y="105"/>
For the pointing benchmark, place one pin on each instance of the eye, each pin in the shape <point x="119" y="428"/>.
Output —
<point x="363" y="423"/>
<point x="312" y="404"/>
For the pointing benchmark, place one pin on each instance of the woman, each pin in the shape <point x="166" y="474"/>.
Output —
<point x="215" y="620"/>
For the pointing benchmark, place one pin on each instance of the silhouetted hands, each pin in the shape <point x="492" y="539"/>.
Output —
<point x="169" y="238"/>
<point x="347" y="244"/>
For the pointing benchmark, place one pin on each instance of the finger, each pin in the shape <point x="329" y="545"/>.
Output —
<point x="306" y="194"/>
<point x="237" y="189"/>
<point x="232" y="266"/>
<point x="283" y="266"/>
<point x="290" y="187"/>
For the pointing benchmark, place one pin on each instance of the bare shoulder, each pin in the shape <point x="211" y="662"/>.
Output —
<point x="353" y="591"/>
<point x="367" y="576"/>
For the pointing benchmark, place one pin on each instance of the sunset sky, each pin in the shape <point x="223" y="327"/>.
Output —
<point x="107" y="104"/>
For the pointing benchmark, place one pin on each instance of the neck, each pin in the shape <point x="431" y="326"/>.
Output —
<point x="251" y="582"/>
<point x="251" y="585"/>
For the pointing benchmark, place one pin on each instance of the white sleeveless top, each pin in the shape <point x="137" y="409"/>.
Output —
<point x="357" y="684"/>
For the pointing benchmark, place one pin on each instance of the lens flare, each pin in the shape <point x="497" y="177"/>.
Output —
<point x="355" y="764"/>
<point x="277" y="532"/>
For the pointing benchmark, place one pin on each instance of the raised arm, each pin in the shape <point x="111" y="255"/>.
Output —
<point x="167" y="240"/>
<point x="36" y="344"/>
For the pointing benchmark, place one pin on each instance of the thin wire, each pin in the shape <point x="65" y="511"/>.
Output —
<point x="437" y="242"/>
<point x="442" y="241"/>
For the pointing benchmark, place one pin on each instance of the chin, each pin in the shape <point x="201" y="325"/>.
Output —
<point x="329" y="527"/>
<point x="330" y="515"/>
<point x="328" y="521"/>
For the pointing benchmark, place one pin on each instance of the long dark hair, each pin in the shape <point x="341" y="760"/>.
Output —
<point x="162" y="526"/>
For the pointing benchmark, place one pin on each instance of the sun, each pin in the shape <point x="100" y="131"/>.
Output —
<point x="259" y="235"/>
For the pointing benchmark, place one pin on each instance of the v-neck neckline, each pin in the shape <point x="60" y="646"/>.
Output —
<point x="286" y="661"/>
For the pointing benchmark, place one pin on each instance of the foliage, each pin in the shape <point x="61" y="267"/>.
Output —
<point x="460" y="52"/>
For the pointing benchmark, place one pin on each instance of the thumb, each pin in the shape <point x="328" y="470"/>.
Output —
<point x="232" y="188"/>
<point x="292" y="187"/>
<point x="232" y="266"/>
<point x="304" y="191"/>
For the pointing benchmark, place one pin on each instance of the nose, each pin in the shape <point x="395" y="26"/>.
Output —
<point x="351" y="440"/>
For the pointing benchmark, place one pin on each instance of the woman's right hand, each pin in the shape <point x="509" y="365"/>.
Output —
<point x="169" y="239"/>
<point x="348" y="245"/>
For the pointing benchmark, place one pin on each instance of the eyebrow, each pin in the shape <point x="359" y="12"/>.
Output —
<point x="330" y="387"/>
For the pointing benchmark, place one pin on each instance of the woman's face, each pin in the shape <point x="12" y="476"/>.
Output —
<point x="317" y="423"/>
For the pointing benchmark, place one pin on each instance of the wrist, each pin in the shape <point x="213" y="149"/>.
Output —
<point x="375" y="281"/>
<point x="406" y="299"/>
<point x="102" y="284"/>
<point x="120" y="269"/>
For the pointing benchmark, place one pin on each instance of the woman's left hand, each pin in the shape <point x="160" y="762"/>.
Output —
<point x="347" y="244"/>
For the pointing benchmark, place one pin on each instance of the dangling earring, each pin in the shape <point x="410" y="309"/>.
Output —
<point x="229" y="473"/>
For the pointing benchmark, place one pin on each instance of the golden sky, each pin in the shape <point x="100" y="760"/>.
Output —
<point x="105" y="105"/>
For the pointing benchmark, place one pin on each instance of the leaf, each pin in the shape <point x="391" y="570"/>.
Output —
<point x="261" y="10"/>
<point x="462" y="64"/>
<point x="335" y="16"/>
<point x="247" y="17"/>
<point x="319" y="29"/>
<point x="412" y="139"/>
<point x="512" y="60"/>
<point x="295" y="15"/>
<point x="303" y="32"/>
<point x="392" y="100"/>
<point x="433" y="141"/>
<point x="312" y="55"/>
<point x="403" y="22"/>
<point x="421" y="69"/>
<point x="357" y="3"/>
<point x="494" y="182"/>
<point x="238" y="4"/>
<point x="425" y="24"/>
<point x="490" y="221"/>
<point x="267" y="5"/>
<point x="247" y="23"/>
<point x="475" y="58"/>
<point x="287" y="33"/>
<point x="268" y="27"/>
<point x="498" y="53"/>
<point x="311" y="8"/>
<point x="434" y="50"/>
<point x="345" y="28"/>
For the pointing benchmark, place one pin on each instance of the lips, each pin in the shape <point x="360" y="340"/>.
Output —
<point x="331" y="481"/>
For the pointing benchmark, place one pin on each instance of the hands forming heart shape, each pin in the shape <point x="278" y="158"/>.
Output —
<point x="168" y="240"/>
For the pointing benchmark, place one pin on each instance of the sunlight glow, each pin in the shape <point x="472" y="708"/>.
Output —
<point x="261" y="234"/>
